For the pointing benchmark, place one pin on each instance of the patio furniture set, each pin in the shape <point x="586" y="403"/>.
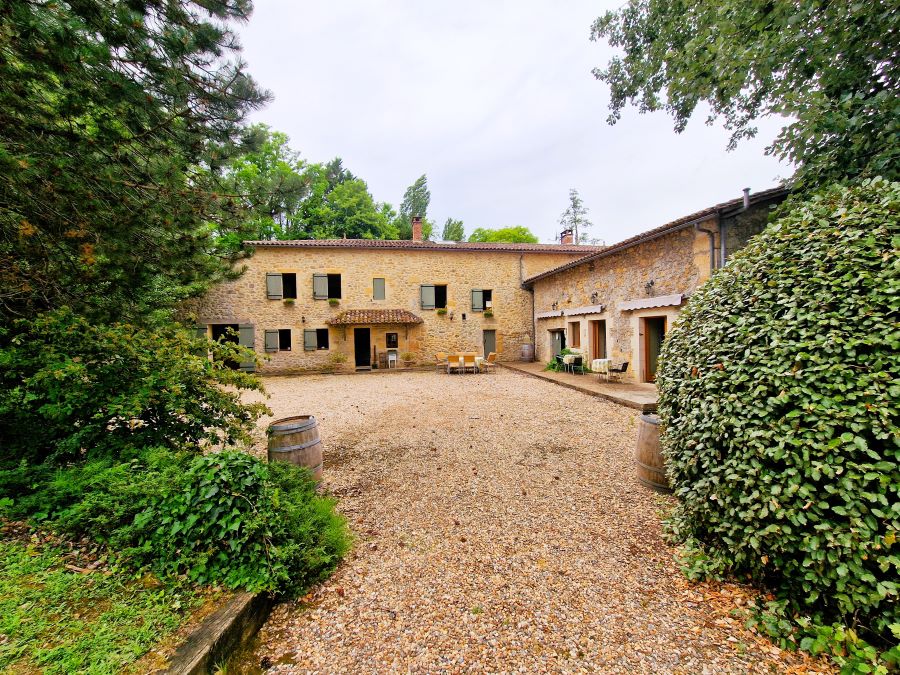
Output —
<point x="574" y="363"/>
<point x="465" y="362"/>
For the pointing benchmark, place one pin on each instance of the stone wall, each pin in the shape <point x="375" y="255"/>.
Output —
<point x="244" y="301"/>
<point x="676" y="263"/>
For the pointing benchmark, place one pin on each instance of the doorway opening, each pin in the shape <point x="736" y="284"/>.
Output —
<point x="489" y="341"/>
<point x="557" y="341"/>
<point x="654" y="331"/>
<point x="362" y="347"/>
<point x="598" y="339"/>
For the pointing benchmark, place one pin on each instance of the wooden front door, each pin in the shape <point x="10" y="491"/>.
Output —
<point x="362" y="347"/>
<point x="598" y="339"/>
<point x="489" y="341"/>
<point x="654" y="333"/>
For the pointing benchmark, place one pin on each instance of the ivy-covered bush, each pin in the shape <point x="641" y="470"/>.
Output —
<point x="71" y="390"/>
<point x="780" y="405"/>
<point x="244" y="523"/>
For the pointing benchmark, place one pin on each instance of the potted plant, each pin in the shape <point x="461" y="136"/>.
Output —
<point x="289" y="302"/>
<point x="408" y="359"/>
<point x="334" y="302"/>
<point x="488" y="314"/>
<point x="441" y="311"/>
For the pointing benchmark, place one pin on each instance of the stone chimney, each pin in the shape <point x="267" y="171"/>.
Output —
<point x="417" y="228"/>
<point x="565" y="237"/>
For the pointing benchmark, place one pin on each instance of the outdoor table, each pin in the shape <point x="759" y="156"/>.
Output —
<point x="601" y="367"/>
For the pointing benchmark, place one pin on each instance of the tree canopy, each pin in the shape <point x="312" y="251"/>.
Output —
<point x="415" y="203"/>
<point x="575" y="217"/>
<point x="115" y="119"/>
<point x="512" y="235"/>
<point x="453" y="230"/>
<point x="831" y="68"/>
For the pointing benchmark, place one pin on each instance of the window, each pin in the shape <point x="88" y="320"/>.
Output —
<point x="278" y="340"/>
<point x="326" y="286"/>
<point x="378" y="289"/>
<point x="281" y="285"/>
<point x="315" y="338"/>
<point x="433" y="297"/>
<point x="391" y="340"/>
<point x="289" y="285"/>
<point x="481" y="299"/>
<point x="284" y="339"/>
<point x="575" y="334"/>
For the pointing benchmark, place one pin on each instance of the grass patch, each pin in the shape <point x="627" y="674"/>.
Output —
<point x="55" y="620"/>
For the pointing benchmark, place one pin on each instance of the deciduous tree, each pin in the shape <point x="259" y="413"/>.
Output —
<point x="514" y="235"/>
<point x="454" y="230"/>
<point x="832" y="69"/>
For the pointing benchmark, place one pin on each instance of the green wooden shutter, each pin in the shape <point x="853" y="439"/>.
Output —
<point x="201" y="331"/>
<point x="320" y="286"/>
<point x="247" y="338"/>
<point x="310" y="343"/>
<point x="477" y="300"/>
<point x="378" y="289"/>
<point x="271" y="342"/>
<point x="427" y="295"/>
<point x="274" y="286"/>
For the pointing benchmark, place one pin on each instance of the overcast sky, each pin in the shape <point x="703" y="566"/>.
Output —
<point x="496" y="103"/>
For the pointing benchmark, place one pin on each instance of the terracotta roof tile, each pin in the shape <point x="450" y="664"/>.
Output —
<point x="408" y="245"/>
<point x="373" y="316"/>
<point x="656" y="232"/>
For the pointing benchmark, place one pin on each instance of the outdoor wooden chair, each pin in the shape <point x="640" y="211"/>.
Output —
<point x="490" y="363"/>
<point x="453" y="363"/>
<point x="617" y="373"/>
<point x="469" y="362"/>
<point x="440" y="361"/>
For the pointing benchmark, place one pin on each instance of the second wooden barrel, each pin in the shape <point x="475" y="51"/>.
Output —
<point x="651" y="469"/>
<point x="296" y="440"/>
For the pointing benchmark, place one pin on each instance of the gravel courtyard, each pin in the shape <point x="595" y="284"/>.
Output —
<point x="499" y="527"/>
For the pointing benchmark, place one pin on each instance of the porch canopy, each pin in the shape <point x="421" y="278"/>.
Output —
<point x="357" y="317"/>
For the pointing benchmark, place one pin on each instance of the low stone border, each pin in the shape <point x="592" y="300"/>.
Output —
<point x="643" y="407"/>
<point x="221" y="634"/>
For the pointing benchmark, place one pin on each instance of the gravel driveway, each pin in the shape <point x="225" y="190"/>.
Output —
<point x="499" y="528"/>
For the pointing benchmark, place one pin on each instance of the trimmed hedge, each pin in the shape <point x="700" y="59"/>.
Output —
<point x="780" y="404"/>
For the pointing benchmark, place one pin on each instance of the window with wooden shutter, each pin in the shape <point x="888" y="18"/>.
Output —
<point x="320" y="286"/>
<point x="427" y="296"/>
<point x="321" y="338"/>
<point x="284" y="339"/>
<point x="274" y="286"/>
<point x="477" y="300"/>
<point x="247" y="338"/>
<point x="201" y="331"/>
<point x="309" y="340"/>
<point x="271" y="340"/>
<point x="378" y="289"/>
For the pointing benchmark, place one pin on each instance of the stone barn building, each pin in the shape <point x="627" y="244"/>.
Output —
<point x="619" y="303"/>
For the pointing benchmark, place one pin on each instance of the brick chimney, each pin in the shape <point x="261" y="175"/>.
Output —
<point x="565" y="237"/>
<point x="417" y="228"/>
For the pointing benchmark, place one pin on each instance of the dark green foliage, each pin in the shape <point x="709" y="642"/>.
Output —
<point x="454" y="230"/>
<point x="114" y="120"/>
<point x="243" y="523"/>
<point x="70" y="390"/>
<point x="832" y="69"/>
<point x="780" y="402"/>
<point x="415" y="203"/>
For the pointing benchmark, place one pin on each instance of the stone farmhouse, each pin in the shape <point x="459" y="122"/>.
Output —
<point x="345" y="304"/>
<point x="619" y="303"/>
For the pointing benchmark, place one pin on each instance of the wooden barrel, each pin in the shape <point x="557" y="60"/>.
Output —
<point x="527" y="353"/>
<point x="296" y="440"/>
<point x="651" y="470"/>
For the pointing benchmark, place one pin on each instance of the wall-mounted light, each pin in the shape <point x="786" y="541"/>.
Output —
<point x="648" y="286"/>
<point x="595" y="296"/>
<point x="555" y="305"/>
<point x="302" y="319"/>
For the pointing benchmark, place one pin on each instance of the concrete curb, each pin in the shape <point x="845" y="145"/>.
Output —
<point x="643" y="407"/>
<point x="221" y="634"/>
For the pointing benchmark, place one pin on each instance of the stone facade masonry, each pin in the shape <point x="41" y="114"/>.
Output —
<point x="244" y="301"/>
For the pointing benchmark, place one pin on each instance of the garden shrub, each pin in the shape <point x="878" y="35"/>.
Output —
<point x="244" y="523"/>
<point x="70" y="390"/>
<point x="779" y="396"/>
